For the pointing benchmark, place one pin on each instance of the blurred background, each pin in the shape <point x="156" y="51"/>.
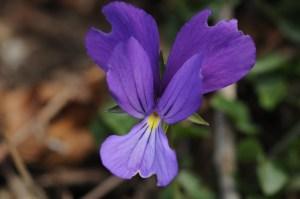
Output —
<point x="54" y="101"/>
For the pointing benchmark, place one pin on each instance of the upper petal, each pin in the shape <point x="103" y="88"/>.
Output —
<point x="126" y="21"/>
<point x="143" y="150"/>
<point x="182" y="96"/>
<point x="227" y="53"/>
<point x="130" y="78"/>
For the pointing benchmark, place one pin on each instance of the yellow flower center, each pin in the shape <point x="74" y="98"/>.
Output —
<point x="153" y="120"/>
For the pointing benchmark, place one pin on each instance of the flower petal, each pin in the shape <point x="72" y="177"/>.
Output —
<point x="227" y="53"/>
<point x="165" y="164"/>
<point x="126" y="21"/>
<point x="130" y="78"/>
<point x="182" y="96"/>
<point x="143" y="150"/>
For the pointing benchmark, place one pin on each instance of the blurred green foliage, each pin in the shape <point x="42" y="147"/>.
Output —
<point x="197" y="119"/>
<point x="110" y="119"/>
<point x="187" y="186"/>
<point x="249" y="149"/>
<point x="237" y="111"/>
<point x="271" y="178"/>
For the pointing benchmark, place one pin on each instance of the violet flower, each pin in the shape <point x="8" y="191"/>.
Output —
<point x="203" y="59"/>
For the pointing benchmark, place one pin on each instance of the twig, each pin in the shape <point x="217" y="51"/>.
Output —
<point x="67" y="177"/>
<point x="225" y="157"/>
<point x="18" y="161"/>
<point x="27" y="178"/>
<point x="224" y="138"/>
<point x="15" y="184"/>
<point x="103" y="188"/>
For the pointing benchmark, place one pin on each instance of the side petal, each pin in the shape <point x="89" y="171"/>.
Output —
<point x="227" y="53"/>
<point x="182" y="96"/>
<point x="126" y="21"/>
<point x="130" y="78"/>
<point x="116" y="152"/>
<point x="144" y="150"/>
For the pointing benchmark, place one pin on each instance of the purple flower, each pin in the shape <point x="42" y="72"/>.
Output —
<point x="203" y="59"/>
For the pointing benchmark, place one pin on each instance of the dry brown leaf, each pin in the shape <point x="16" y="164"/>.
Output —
<point x="66" y="128"/>
<point x="69" y="143"/>
<point x="16" y="108"/>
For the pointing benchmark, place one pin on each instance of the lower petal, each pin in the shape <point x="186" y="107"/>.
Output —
<point x="165" y="165"/>
<point x="144" y="150"/>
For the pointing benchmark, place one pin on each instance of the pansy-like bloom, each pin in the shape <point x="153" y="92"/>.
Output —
<point x="203" y="59"/>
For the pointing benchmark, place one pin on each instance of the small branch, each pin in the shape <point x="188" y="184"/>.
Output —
<point x="16" y="186"/>
<point x="103" y="188"/>
<point x="20" y="166"/>
<point x="225" y="161"/>
<point x="18" y="161"/>
<point x="225" y="157"/>
<point x="68" y="177"/>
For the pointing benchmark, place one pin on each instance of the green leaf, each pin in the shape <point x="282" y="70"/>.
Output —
<point x="187" y="129"/>
<point x="269" y="63"/>
<point x="197" y="119"/>
<point x="165" y="127"/>
<point x="186" y="186"/>
<point x="254" y="196"/>
<point x="115" y="109"/>
<point x="284" y="15"/>
<point x="162" y="66"/>
<point x="172" y="191"/>
<point x="118" y="123"/>
<point x="98" y="129"/>
<point x="249" y="150"/>
<point x="294" y="184"/>
<point x="290" y="30"/>
<point x="271" y="178"/>
<point x="271" y="91"/>
<point x="192" y="186"/>
<point x="237" y="111"/>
